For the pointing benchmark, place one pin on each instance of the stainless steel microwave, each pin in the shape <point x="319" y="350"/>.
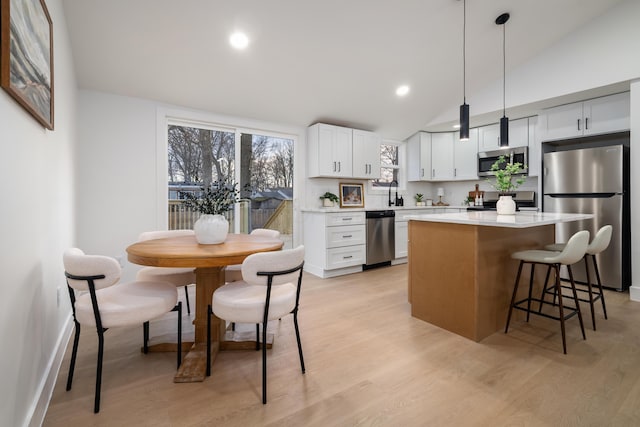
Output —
<point x="513" y="155"/>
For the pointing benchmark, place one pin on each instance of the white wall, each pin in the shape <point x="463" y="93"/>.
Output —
<point x="37" y="217"/>
<point x="120" y="180"/>
<point x="634" y="153"/>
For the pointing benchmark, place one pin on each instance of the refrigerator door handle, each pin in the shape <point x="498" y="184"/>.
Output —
<point x="581" y="195"/>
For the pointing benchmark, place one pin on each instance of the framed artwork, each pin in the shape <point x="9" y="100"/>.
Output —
<point x="26" y="56"/>
<point x="351" y="195"/>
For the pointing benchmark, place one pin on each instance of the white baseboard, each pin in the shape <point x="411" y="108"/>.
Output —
<point x="634" y="293"/>
<point x="48" y="381"/>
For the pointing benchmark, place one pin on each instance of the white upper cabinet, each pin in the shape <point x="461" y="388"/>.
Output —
<point x="330" y="151"/>
<point x="419" y="157"/>
<point x="595" y="116"/>
<point x="489" y="136"/>
<point x="442" y="156"/>
<point x="465" y="156"/>
<point x="366" y="154"/>
<point x="534" y="161"/>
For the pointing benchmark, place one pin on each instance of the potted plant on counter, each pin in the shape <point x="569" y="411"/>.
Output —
<point x="506" y="183"/>
<point x="419" y="199"/>
<point x="329" y="199"/>
<point x="212" y="202"/>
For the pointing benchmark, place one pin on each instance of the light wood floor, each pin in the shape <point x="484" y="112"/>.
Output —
<point x="370" y="363"/>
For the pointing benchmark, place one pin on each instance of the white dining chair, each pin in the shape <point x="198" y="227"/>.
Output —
<point x="99" y="300"/>
<point x="178" y="276"/>
<point x="270" y="290"/>
<point x="232" y="273"/>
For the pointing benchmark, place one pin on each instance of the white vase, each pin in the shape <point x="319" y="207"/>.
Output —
<point x="327" y="203"/>
<point x="506" y="206"/>
<point x="211" y="229"/>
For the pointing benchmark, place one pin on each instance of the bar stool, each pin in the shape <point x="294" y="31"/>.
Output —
<point x="573" y="252"/>
<point x="599" y="243"/>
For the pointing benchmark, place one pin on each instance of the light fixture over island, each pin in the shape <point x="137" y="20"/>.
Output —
<point x="460" y="269"/>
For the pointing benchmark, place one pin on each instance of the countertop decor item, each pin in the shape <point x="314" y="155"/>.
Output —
<point x="419" y="199"/>
<point x="328" y="199"/>
<point x="505" y="184"/>
<point x="212" y="202"/>
<point x="351" y="195"/>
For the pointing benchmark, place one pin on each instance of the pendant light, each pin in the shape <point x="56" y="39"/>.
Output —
<point x="504" y="121"/>
<point x="464" y="108"/>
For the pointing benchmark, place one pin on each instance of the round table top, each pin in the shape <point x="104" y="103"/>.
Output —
<point x="185" y="251"/>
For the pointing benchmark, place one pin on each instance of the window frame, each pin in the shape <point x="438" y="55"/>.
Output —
<point x="401" y="167"/>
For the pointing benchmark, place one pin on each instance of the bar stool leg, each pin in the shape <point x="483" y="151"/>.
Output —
<point x="545" y="287"/>
<point x="513" y="296"/>
<point x="595" y="267"/>
<point x="590" y="291"/>
<point x="556" y="267"/>
<point x="575" y="298"/>
<point x="533" y="266"/>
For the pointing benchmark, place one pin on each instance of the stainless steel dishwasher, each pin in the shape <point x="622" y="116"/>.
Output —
<point x="381" y="241"/>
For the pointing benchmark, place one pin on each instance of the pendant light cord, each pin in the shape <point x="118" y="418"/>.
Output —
<point x="464" y="50"/>
<point x="504" y="70"/>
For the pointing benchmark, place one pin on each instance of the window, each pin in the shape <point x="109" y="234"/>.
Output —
<point x="390" y="170"/>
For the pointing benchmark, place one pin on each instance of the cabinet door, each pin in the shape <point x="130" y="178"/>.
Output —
<point x="564" y="121"/>
<point x="465" y="156"/>
<point x="343" y="151"/>
<point x="366" y="154"/>
<point x="402" y="237"/>
<point x="331" y="150"/>
<point x="442" y="156"/>
<point x="533" y="168"/>
<point x="519" y="133"/>
<point x="607" y="114"/>
<point x="489" y="138"/>
<point x="419" y="157"/>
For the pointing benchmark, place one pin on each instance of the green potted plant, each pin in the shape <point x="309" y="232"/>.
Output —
<point x="419" y="199"/>
<point x="329" y="199"/>
<point x="212" y="202"/>
<point x="506" y="183"/>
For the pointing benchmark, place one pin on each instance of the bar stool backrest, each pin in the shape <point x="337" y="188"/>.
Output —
<point x="601" y="241"/>
<point x="575" y="249"/>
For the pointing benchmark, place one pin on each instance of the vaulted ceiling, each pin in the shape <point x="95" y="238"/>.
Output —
<point x="335" y="61"/>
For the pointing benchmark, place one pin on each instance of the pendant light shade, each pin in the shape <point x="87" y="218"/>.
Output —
<point x="464" y="108"/>
<point x="504" y="121"/>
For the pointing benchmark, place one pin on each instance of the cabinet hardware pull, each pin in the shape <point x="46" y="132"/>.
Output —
<point x="578" y="124"/>
<point x="586" y="123"/>
<point x="347" y="219"/>
<point x="347" y="257"/>
<point x="422" y="172"/>
<point x="334" y="166"/>
<point x="455" y="172"/>
<point x="339" y="168"/>
<point x="434" y="174"/>
<point x="347" y="236"/>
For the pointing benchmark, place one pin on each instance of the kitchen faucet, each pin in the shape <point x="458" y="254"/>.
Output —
<point x="396" y="200"/>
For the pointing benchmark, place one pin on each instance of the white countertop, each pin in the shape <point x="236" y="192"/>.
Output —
<point x="492" y="219"/>
<point x="393" y="208"/>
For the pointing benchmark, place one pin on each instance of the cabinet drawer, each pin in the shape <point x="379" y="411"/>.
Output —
<point x="344" y="218"/>
<point x="345" y="257"/>
<point x="347" y="235"/>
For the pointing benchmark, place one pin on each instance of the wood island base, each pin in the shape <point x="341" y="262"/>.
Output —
<point x="461" y="276"/>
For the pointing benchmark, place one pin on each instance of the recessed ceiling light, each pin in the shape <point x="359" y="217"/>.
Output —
<point x="239" y="40"/>
<point x="402" y="90"/>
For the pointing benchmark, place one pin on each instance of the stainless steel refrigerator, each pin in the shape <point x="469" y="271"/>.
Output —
<point x="593" y="180"/>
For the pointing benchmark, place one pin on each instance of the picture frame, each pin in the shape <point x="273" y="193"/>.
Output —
<point x="351" y="195"/>
<point x="26" y="57"/>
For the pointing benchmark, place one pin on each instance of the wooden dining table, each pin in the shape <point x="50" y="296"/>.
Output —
<point x="209" y="262"/>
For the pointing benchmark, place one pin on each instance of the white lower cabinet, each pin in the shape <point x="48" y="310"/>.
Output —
<point x="402" y="239"/>
<point x="335" y="242"/>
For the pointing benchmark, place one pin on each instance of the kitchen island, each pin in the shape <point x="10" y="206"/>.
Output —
<point x="461" y="273"/>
